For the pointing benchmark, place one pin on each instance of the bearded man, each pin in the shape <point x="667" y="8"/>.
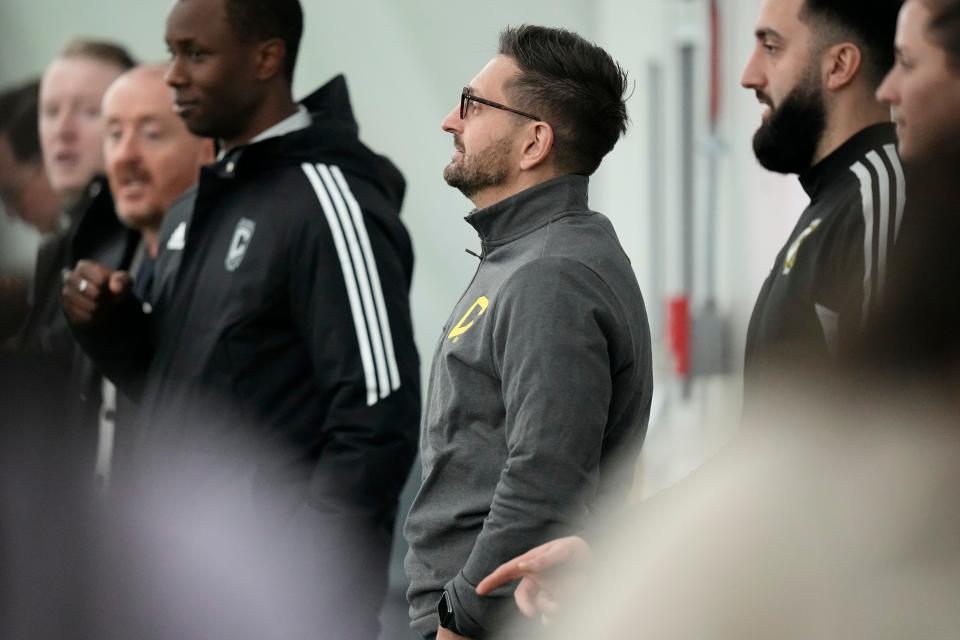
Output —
<point x="817" y="65"/>
<point x="541" y="382"/>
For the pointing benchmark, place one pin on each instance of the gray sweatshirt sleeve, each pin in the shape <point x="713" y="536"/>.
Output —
<point x="554" y="320"/>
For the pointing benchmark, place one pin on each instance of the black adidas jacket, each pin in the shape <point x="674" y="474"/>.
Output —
<point x="831" y="273"/>
<point x="281" y="310"/>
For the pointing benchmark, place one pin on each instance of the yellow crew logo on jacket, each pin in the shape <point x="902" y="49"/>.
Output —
<point x="470" y="318"/>
<point x="791" y="259"/>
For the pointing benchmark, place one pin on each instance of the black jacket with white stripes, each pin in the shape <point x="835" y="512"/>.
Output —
<point x="281" y="311"/>
<point x="831" y="272"/>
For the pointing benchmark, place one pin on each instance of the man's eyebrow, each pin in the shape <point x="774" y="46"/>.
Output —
<point x="763" y="33"/>
<point x="139" y="121"/>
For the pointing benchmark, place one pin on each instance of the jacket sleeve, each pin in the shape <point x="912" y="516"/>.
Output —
<point x="857" y="270"/>
<point x="45" y="331"/>
<point x="121" y="346"/>
<point x="553" y="329"/>
<point x="349" y="289"/>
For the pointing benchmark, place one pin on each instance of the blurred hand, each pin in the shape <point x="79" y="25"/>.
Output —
<point x="91" y="290"/>
<point x="13" y="305"/>
<point x="446" y="634"/>
<point x="548" y="574"/>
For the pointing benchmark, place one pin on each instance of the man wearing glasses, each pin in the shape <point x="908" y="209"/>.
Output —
<point x="540" y="387"/>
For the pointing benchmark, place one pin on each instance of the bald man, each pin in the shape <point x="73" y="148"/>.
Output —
<point x="151" y="159"/>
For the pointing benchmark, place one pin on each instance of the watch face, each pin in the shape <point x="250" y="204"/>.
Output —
<point x="445" y="611"/>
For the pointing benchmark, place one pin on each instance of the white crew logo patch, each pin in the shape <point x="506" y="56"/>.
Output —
<point x="238" y="246"/>
<point x="178" y="239"/>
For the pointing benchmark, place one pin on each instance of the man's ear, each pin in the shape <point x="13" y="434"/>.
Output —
<point x="537" y="146"/>
<point x="842" y="62"/>
<point x="270" y="57"/>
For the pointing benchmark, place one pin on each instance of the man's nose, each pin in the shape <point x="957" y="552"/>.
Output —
<point x="175" y="75"/>
<point x="452" y="123"/>
<point x="752" y="78"/>
<point x="126" y="150"/>
<point x="66" y="124"/>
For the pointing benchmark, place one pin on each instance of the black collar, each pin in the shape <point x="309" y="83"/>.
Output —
<point x="834" y="167"/>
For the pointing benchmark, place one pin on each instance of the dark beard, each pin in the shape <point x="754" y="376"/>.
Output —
<point x="478" y="171"/>
<point x="788" y="140"/>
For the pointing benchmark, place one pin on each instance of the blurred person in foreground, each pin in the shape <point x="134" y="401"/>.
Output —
<point x="874" y="531"/>
<point x="159" y="560"/>
<point x="816" y="65"/>
<point x="280" y="307"/>
<point x="541" y="384"/>
<point x="25" y="192"/>
<point x="151" y="161"/>
<point x="919" y="332"/>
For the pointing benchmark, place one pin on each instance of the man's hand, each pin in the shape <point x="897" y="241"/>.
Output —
<point x="13" y="305"/>
<point x="446" y="634"/>
<point x="91" y="290"/>
<point x="549" y="573"/>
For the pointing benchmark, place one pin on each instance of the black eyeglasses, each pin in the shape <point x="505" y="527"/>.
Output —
<point x="466" y="97"/>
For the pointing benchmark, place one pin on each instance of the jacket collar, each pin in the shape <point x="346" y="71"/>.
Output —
<point x="531" y="209"/>
<point x="324" y="117"/>
<point x="834" y="167"/>
<point x="299" y="120"/>
<point x="330" y="138"/>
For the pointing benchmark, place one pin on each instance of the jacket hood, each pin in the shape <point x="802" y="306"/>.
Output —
<point x="333" y="135"/>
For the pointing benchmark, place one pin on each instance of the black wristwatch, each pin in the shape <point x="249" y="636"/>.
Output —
<point x="445" y="612"/>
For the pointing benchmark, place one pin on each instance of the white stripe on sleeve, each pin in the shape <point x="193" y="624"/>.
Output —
<point x="374" y="276"/>
<point x="349" y="278"/>
<point x="350" y="230"/>
<point x="866" y="195"/>
<point x="883" y="222"/>
<point x="901" y="183"/>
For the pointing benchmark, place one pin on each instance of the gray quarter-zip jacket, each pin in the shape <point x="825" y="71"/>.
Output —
<point x="538" y="400"/>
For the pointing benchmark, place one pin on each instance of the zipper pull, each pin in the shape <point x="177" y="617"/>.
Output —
<point x="474" y="254"/>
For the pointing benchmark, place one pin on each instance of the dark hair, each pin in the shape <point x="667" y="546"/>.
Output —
<point x="944" y="28"/>
<point x="266" y="19"/>
<point x="18" y="121"/>
<point x="872" y="26"/>
<point x="101" y="51"/>
<point x="575" y="86"/>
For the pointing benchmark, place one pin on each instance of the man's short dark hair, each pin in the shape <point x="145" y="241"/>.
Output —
<point x="260" y="20"/>
<point x="944" y="28"/>
<point x="101" y="51"/>
<point x="572" y="84"/>
<point x="18" y="121"/>
<point x="872" y="26"/>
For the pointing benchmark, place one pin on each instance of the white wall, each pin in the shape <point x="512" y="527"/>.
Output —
<point x="405" y="62"/>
